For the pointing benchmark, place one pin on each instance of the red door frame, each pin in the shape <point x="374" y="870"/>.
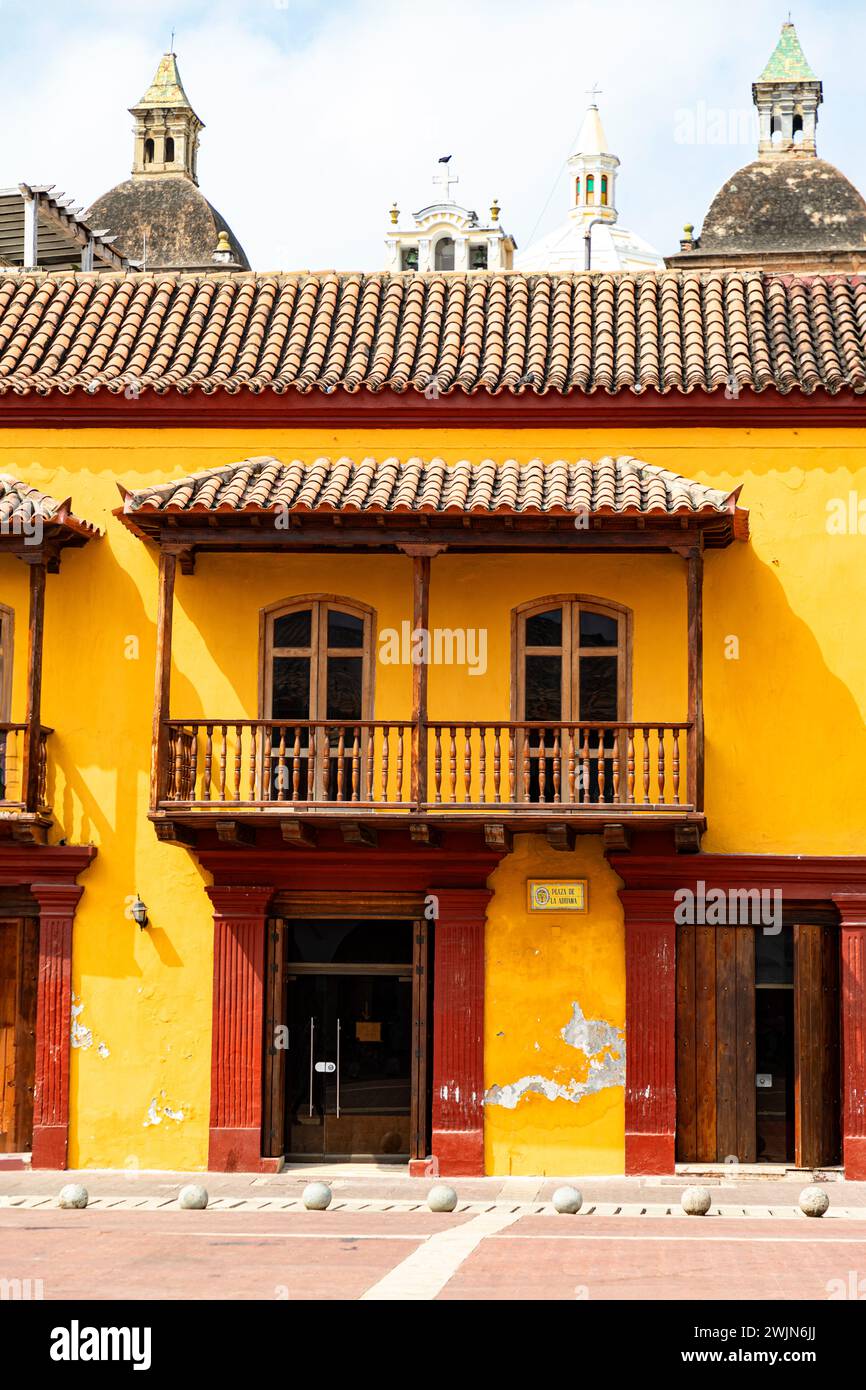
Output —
<point x="650" y="881"/>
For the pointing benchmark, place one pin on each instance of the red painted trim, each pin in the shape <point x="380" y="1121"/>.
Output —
<point x="853" y="989"/>
<point x="389" y="409"/>
<point x="650" y="1030"/>
<point x="458" y="1031"/>
<point x="49" y="872"/>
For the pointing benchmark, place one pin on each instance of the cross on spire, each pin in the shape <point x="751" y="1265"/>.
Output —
<point x="445" y="180"/>
<point x="594" y="91"/>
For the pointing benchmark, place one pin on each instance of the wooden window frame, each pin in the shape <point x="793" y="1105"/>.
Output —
<point x="571" y="605"/>
<point x="7" y="653"/>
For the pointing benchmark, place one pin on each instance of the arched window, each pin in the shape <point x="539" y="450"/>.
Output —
<point x="7" y="627"/>
<point x="169" y="150"/>
<point x="590" y="188"/>
<point x="148" y="151"/>
<point x="577" y="190"/>
<point x="316" y="665"/>
<point x="573" y="672"/>
<point x="604" y="190"/>
<point x="444" y="258"/>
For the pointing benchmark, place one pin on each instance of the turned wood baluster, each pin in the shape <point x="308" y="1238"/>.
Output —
<point x="616" y="767"/>
<point x="398" y="795"/>
<point x="646" y="767"/>
<point x="356" y="763"/>
<point x="452" y="763"/>
<point x="254" y="748"/>
<point x="437" y="766"/>
<point x="175" y="755"/>
<point x="467" y="763"/>
<point x="482" y="764"/>
<point x="385" y="733"/>
<point x="571" y="765"/>
<point x="661" y="739"/>
<point x="267" y="758"/>
<point x="527" y="764"/>
<point x="630" y="766"/>
<point x="601" y="767"/>
<point x="224" y="748"/>
<point x="371" y="765"/>
<point x="584" y="767"/>
<point x="341" y="757"/>
<point x="239" y="757"/>
<point x="497" y="766"/>
<point x="312" y="762"/>
<point x="557" y="766"/>
<point x="676" y="765"/>
<point x="193" y="764"/>
<point x="296" y="764"/>
<point x="542" y="764"/>
<point x="208" y="763"/>
<point x="281" y="765"/>
<point x="326" y="765"/>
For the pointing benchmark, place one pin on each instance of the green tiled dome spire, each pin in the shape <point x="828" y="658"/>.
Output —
<point x="788" y="61"/>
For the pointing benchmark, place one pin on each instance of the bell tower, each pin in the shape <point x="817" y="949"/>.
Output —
<point x="166" y="127"/>
<point x="787" y="95"/>
<point x="592" y="172"/>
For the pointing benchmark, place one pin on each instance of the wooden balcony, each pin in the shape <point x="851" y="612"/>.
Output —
<point x="517" y="775"/>
<point x="24" y="809"/>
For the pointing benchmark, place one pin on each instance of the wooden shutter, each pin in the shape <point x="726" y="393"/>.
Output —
<point x="816" y="1046"/>
<point x="18" y="978"/>
<point x="273" y="1128"/>
<point x="419" y="1139"/>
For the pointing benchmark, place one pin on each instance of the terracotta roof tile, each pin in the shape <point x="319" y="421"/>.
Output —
<point x="617" y="485"/>
<point x="21" y="504"/>
<point x="662" y="331"/>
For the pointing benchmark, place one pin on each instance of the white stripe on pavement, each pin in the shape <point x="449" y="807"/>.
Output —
<point x="424" y="1273"/>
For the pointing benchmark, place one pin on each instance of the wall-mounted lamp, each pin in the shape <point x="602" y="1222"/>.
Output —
<point x="139" y="912"/>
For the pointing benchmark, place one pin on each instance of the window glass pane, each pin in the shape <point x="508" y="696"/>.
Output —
<point x="291" y="695"/>
<point x="597" y="630"/>
<point x="543" y="687"/>
<point x="293" y="629"/>
<point x="774" y="951"/>
<point x="350" y="943"/>
<point x="344" y="687"/>
<point x="598" y="688"/>
<point x="544" y="629"/>
<point x="345" y="630"/>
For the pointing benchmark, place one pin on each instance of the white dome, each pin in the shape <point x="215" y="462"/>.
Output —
<point x="613" y="248"/>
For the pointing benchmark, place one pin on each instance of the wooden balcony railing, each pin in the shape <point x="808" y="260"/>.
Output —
<point x="514" y="766"/>
<point x="12" y="789"/>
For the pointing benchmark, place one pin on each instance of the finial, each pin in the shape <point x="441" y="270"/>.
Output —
<point x="223" y="252"/>
<point x="395" y="214"/>
<point x="171" y="45"/>
<point x="495" y="210"/>
<point x="594" y="91"/>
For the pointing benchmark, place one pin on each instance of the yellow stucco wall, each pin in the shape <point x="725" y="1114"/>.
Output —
<point x="785" y="743"/>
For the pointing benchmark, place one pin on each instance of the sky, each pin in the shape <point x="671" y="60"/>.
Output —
<point x="320" y="115"/>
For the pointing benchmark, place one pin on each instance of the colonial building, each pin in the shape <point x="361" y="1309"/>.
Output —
<point x="592" y="230"/>
<point x="432" y="718"/>
<point x="446" y="236"/>
<point x="160" y="216"/>
<point x="787" y="209"/>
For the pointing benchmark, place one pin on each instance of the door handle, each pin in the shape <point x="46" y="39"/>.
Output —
<point x="338" y="1069"/>
<point x="312" y="1034"/>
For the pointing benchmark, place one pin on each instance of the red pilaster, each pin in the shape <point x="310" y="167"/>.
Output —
<point x="238" y="1008"/>
<point x="57" y="904"/>
<point x="458" y="1031"/>
<point x="650" y="1032"/>
<point x="852" y="910"/>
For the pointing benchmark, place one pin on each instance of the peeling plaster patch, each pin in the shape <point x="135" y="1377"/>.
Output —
<point x="153" y="1115"/>
<point x="81" y="1037"/>
<point x="103" y="1050"/>
<point x="157" y="1112"/>
<point x="600" y="1042"/>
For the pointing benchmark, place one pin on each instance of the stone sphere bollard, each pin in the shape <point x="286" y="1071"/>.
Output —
<point x="73" y="1195"/>
<point x="567" y="1200"/>
<point x="193" y="1198"/>
<point x="814" y="1201"/>
<point x="442" y="1197"/>
<point x="317" y="1196"/>
<point x="696" y="1201"/>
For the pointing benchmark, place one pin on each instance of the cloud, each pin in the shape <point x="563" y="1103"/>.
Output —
<point x="319" y="116"/>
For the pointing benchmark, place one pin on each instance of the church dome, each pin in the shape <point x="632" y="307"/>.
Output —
<point x="159" y="215"/>
<point x="793" y="204"/>
<point x="166" y="222"/>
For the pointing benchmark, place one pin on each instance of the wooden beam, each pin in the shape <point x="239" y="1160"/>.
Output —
<point x="420" y="670"/>
<point x="33" y="734"/>
<point x="162" y="690"/>
<point x="354" y="833"/>
<point x="687" y="839"/>
<point x="169" y="832"/>
<point x="232" y="832"/>
<point x="617" y="838"/>
<point x="497" y="836"/>
<point x="694" y="585"/>
<point x="296" y="833"/>
<point x="421" y="833"/>
<point x="560" y="836"/>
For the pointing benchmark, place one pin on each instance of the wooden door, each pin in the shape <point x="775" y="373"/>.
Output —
<point x="275" y="1041"/>
<point x="715" y="1044"/>
<point x="421" y="956"/>
<point x="19" y="945"/>
<point x="817" y="1081"/>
